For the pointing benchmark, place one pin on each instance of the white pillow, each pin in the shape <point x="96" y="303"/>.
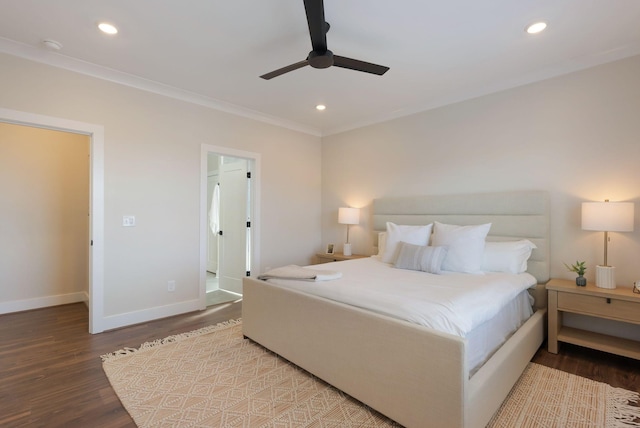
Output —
<point x="417" y="235"/>
<point x="382" y="242"/>
<point x="419" y="257"/>
<point x="507" y="256"/>
<point x="465" y="246"/>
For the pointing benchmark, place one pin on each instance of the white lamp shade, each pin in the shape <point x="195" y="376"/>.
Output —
<point x="607" y="216"/>
<point x="348" y="215"/>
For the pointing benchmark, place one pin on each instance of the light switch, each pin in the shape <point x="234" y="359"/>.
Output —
<point x="128" y="220"/>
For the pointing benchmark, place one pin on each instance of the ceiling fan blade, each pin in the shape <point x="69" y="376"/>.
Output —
<point x="284" y="70"/>
<point x="317" y="25"/>
<point x="320" y="56"/>
<point x="354" y="64"/>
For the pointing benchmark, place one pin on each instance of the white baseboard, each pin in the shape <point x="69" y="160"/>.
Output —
<point x="137" y="317"/>
<point x="109" y="322"/>
<point x="42" y="302"/>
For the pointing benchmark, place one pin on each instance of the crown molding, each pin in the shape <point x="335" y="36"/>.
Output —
<point x="569" y="66"/>
<point x="58" y="60"/>
<point x="65" y="62"/>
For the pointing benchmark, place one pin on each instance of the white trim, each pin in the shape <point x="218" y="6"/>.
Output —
<point x="65" y="62"/>
<point x="456" y="96"/>
<point x="255" y="209"/>
<point x="130" y="318"/>
<point x="96" y="252"/>
<point x="41" y="302"/>
<point x="33" y="53"/>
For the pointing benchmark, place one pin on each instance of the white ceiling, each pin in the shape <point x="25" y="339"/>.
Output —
<point x="212" y="52"/>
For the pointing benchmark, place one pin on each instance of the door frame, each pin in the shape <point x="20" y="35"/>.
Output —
<point x="255" y="168"/>
<point x="96" y="199"/>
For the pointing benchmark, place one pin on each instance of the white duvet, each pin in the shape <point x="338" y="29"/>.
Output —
<point x="452" y="303"/>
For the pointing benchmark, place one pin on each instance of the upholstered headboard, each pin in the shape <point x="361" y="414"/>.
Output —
<point x="513" y="215"/>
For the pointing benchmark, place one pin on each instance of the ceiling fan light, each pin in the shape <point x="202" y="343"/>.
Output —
<point x="107" y="28"/>
<point x="536" y="27"/>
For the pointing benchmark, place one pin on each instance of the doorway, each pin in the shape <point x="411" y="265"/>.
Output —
<point x="44" y="223"/>
<point x="230" y="180"/>
<point x="96" y="199"/>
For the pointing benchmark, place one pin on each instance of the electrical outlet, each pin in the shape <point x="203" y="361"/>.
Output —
<point x="171" y="286"/>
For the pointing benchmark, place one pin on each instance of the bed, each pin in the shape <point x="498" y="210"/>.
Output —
<point x="415" y="375"/>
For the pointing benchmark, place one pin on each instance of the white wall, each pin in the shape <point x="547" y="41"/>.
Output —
<point x="152" y="171"/>
<point x="44" y="226"/>
<point x="576" y="136"/>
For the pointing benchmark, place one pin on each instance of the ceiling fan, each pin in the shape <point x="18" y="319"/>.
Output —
<point x="320" y="56"/>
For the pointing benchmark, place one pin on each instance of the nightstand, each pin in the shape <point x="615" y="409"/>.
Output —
<point x="619" y="304"/>
<point x="336" y="257"/>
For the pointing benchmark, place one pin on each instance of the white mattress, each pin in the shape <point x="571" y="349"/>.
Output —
<point x="486" y="338"/>
<point x="485" y="309"/>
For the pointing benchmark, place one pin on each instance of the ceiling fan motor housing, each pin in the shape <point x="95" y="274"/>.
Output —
<point x="320" y="59"/>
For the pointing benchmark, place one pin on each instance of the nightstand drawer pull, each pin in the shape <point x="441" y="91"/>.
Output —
<point x="608" y="300"/>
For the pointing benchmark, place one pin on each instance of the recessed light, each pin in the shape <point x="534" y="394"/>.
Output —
<point x="536" y="27"/>
<point x="107" y="28"/>
<point x="321" y="107"/>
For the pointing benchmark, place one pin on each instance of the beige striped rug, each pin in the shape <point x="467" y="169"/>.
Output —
<point x="213" y="377"/>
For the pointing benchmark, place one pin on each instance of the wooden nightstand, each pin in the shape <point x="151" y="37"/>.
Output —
<point x="336" y="257"/>
<point x="619" y="304"/>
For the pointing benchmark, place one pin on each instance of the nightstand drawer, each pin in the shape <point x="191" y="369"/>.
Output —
<point x="615" y="309"/>
<point x="337" y="257"/>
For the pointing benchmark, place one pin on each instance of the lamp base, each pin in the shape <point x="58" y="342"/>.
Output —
<point x="346" y="250"/>
<point x="605" y="277"/>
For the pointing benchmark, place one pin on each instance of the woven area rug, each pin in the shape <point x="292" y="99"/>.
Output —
<point x="213" y="377"/>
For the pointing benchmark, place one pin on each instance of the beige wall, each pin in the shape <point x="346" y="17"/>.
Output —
<point x="152" y="170"/>
<point x="44" y="227"/>
<point x="576" y="136"/>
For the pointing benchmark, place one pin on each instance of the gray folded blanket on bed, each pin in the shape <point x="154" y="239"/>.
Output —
<point x="300" y="273"/>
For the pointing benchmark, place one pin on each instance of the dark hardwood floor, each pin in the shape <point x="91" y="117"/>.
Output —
<point x="51" y="373"/>
<point x="620" y="372"/>
<point x="50" y="367"/>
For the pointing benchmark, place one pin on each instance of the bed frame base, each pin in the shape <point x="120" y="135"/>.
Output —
<point x="412" y="374"/>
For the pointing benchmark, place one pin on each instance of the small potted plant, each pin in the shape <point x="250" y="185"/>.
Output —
<point x="578" y="268"/>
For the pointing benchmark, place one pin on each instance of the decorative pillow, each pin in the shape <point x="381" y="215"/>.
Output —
<point x="507" y="256"/>
<point x="419" y="257"/>
<point x="465" y="246"/>
<point x="417" y="235"/>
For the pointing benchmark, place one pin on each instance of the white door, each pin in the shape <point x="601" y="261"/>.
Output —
<point x="234" y="188"/>
<point x="212" y="235"/>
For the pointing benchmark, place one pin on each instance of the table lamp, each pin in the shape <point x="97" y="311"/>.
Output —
<point x="607" y="217"/>
<point x="348" y="216"/>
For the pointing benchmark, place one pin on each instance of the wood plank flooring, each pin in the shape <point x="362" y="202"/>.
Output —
<point x="50" y="367"/>
<point x="51" y="373"/>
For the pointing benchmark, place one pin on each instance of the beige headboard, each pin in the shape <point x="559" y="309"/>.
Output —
<point x="513" y="215"/>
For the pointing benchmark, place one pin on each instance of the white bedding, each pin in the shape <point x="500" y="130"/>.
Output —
<point x="452" y="303"/>
<point x="484" y="340"/>
<point x="300" y="273"/>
